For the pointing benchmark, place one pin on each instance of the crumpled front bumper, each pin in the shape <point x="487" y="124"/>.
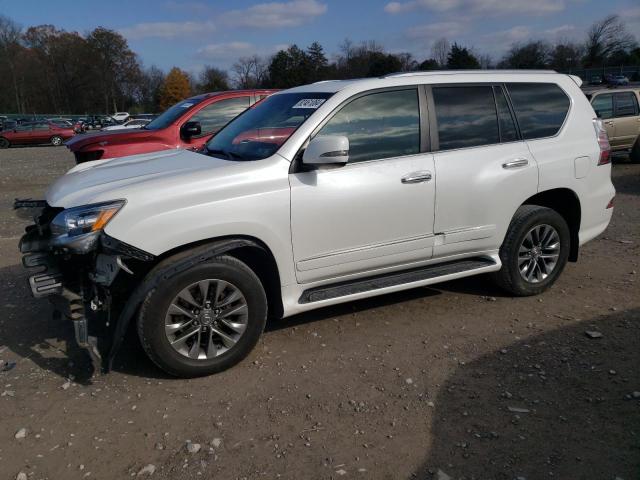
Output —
<point x="79" y="276"/>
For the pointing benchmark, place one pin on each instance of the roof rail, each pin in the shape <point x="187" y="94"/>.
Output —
<point x="451" y="72"/>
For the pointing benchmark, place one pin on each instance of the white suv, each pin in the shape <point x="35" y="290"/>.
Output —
<point x="323" y="194"/>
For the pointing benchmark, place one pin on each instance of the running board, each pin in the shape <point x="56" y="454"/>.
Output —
<point x="378" y="282"/>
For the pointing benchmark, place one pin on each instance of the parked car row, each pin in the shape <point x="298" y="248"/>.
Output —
<point x="609" y="79"/>
<point x="243" y="206"/>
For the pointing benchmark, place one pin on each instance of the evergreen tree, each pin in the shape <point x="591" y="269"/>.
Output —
<point x="461" y="58"/>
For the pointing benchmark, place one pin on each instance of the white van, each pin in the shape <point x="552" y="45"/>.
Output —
<point x="323" y="194"/>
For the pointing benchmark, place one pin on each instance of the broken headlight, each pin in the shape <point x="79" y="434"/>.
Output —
<point x="86" y="219"/>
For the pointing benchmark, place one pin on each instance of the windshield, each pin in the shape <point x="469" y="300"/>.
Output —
<point x="170" y="115"/>
<point x="260" y="131"/>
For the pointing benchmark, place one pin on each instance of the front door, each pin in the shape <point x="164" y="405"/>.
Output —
<point x="22" y="134"/>
<point x="377" y="210"/>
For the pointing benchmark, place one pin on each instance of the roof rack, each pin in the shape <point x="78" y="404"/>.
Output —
<point x="451" y="72"/>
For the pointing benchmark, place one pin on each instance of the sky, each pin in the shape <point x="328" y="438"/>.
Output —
<point x="193" y="33"/>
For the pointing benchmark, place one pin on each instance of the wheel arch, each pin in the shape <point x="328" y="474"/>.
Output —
<point x="567" y="204"/>
<point x="248" y="249"/>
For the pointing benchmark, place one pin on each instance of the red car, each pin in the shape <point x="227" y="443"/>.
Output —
<point x="188" y="124"/>
<point x="33" y="133"/>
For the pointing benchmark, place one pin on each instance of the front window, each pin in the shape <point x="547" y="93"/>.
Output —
<point x="379" y="125"/>
<point x="260" y="131"/>
<point x="170" y="115"/>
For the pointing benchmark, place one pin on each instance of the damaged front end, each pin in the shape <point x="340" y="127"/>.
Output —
<point x="88" y="275"/>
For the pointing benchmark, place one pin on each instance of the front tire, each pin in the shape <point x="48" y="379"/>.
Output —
<point x="534" y="252"/>
<point x="56" y="141"/>
<point x="4" y="143"/>
<point x="203" y="320"/>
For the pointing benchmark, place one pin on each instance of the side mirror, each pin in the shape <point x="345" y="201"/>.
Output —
<point x="327" y="150"/>
<point x="190" y="129"/>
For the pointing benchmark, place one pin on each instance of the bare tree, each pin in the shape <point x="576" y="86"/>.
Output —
<point x="10" y="34"/>
<point x="606" y="37"/>
<point x="249" y="72"/>
<point x="440" y="51"/>
<point x="485" y="61"/>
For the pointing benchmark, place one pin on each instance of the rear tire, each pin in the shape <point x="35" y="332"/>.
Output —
<point x="216" y="342"/>
<point x="534" y="252"/>
<point x="4" y="143"/>
<point x="634" y="155"/>
<point x="56" y="141"/>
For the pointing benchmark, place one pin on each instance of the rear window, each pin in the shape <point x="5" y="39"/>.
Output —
<point x="540" y="108"/>
<point x="466" y="116"/>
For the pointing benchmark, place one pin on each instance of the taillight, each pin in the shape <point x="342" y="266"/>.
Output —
<point x="603" y="142"/>
<point x="610" y="204"/>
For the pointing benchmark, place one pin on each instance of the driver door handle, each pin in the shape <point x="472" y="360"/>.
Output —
<point x="416" y="177"/>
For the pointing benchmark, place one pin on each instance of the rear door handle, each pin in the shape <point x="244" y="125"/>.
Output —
<point x="517" y="163"/>
<point x="416" y="177"/>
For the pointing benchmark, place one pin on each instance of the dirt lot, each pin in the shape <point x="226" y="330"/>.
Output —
<point x="457" y="381"/>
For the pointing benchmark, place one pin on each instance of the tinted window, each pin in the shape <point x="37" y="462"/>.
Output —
<point x="215" y="116"/>
<point x="380" y="125"/>
<point x="466" y="116"/>
<point x="626" y="104"/>
<point x="25" y="127"/>
<point x="508" y="131"/>
<point x="540" y="108"/>
<point x="41" y="126"/>
<point x="603" y="105"/>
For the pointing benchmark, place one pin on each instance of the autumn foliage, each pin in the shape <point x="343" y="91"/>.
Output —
<point x="176" y="87"/>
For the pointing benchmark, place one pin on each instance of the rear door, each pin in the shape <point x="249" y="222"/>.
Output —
<point x="627" y="118"/>
<point x="41" y="133"/>
<point x="603" y="106"/>
<point x="484" y="169"/>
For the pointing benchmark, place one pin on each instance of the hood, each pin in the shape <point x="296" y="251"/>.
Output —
<point x="110" y="136"/>
<point x="104" y="180"/>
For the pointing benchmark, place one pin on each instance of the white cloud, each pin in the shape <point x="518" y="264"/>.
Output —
<point x="167" y="30"/>
<point x="262" y="15"/>
<point x="487" y="7"/>
<point x="505" y="38"/>
<point x="235" y="50"/>
<point x="563" y="31"/>
<point x="274" y="14"/>
<point x="432" y="31"/>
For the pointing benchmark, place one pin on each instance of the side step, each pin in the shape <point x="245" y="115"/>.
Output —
<point x="360" y="285"/>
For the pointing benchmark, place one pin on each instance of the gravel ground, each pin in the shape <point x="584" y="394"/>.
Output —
<point x="456" y="381"/>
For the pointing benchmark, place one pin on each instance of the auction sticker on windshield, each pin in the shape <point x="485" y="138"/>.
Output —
<point x="309" y="103"/>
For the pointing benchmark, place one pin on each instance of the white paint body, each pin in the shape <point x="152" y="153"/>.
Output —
<point x="331" y="225"/>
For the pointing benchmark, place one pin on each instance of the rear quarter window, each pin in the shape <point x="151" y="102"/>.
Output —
<point x="540" y="108"/>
